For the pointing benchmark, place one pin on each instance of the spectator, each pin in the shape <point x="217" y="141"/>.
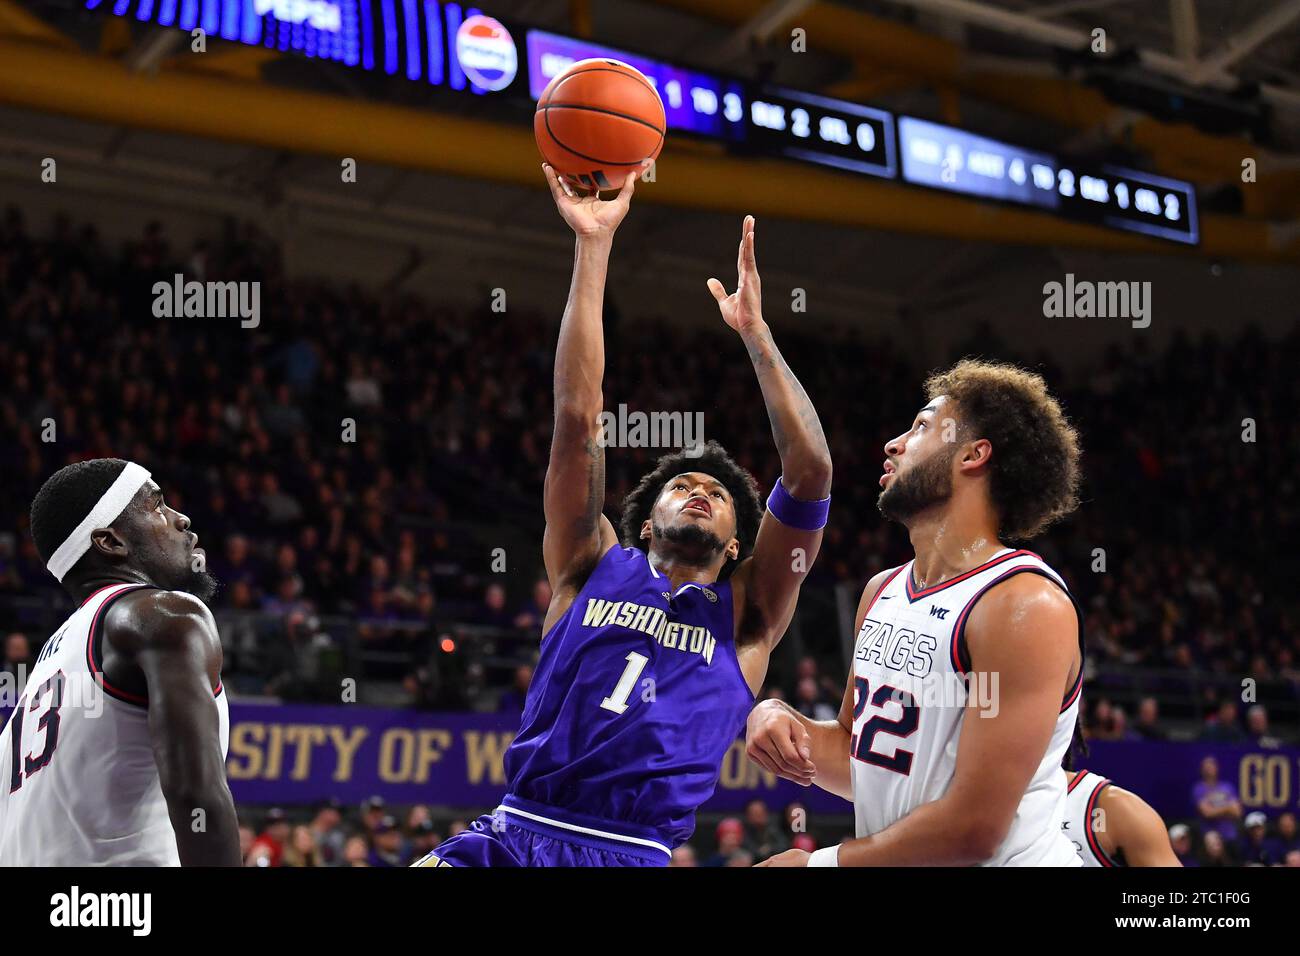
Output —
<point x="1119" y="729"/>
<point x="730" y="835"/>
<point x="417" y="814"/>
<point x="1257" y="728"/>
<point x="1180" y="838"/>
<point x="1256" y="846"/>
<point x="805" y="842"/>
<point x="302" y="849"/>
<point x="807" y="667"/>
<point x="1214" y="851"/>
<point x="236" y="564"/>
<point x="356" y="852"/>
<point x="810" y="700"/>
<point x="424" y="839"/>
<point x="1286" y="833"/>
<point x="763" y="838"/>
<point x="1147" y="726"/>
<point x="492" y="611"/>
<point x="1100" y="720"/>
<point x="421" y="686"/>
<point x="17" y="657"/>
<point x="270" y="844"/>
<point x="1216" y="801"/>
<point x="327" y="831"/>
<point x="683" y="856"/>
<point x="1222" y="727"/>
<point x="372" y="812"/>
<point x="532" y="615"/>
<point x="387" y="844"/>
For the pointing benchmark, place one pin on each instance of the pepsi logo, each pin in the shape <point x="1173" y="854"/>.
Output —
<point x="487" y="53"/>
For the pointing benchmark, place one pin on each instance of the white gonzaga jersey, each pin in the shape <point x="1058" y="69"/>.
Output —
<point x="78" y="782"/>
<point x="1081" y="794"/>
<point x="910" y="692"/>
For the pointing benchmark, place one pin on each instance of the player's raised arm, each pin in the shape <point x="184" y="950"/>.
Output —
<point x="791" y="530"/>
<point x="173" y="638"/>
<point x="577" y="532"/>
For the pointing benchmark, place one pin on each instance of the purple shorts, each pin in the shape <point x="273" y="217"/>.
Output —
<point x="505" y="838"/>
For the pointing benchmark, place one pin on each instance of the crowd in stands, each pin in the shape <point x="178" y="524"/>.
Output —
<point x="360" y="456"/>
<point x="345" y="457"/>
<point x="332" y="834"/>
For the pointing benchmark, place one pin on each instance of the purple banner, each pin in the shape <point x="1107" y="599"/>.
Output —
<point x="285" y="754"/>
<point x="1163" y="774"/>
<point x="300" y="754"/>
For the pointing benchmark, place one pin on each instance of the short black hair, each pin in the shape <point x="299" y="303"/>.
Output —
<point x="713" y="460"/>
<point x="67" y="497"/>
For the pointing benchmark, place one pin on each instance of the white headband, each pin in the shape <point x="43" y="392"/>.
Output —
<point x="105" y="512"/>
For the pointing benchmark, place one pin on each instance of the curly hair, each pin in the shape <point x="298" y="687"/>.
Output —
<point x="714" y="461"/>
<point x="1034" y="479"/>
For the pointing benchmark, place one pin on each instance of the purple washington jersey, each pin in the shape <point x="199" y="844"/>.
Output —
<point x="636" y="698"/>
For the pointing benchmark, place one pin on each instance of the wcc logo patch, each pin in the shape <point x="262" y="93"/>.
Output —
<point x="940" y="612"/>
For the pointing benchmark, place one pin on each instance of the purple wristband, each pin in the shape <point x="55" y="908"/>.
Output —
<point x="804" y="515"/>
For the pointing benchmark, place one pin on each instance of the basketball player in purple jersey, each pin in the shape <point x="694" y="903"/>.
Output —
<point x="653" y="646"/>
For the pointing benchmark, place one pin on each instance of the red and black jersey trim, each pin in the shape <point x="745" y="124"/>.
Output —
<point x="914" y="593"/>
<point x="959" y="653"/>
<point x="1094" y="845"/>
<point x="91" y="596"/>
<point x="95" y="652"/>
<point x="1076" y="780"/>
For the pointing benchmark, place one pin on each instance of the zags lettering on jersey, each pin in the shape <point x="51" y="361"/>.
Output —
<point x="901" y="650"/>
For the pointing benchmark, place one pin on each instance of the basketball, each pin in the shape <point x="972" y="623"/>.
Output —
<point x="597" y="121"/>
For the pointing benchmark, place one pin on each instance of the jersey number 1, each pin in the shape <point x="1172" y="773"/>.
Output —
<point x="617" y="701"/>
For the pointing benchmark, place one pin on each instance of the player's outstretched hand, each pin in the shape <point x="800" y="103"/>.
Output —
<point x="788" y="858"/>
<point x="777" y="741"/>
<point x="589" y="215"/>
<point x="743" y="309"/>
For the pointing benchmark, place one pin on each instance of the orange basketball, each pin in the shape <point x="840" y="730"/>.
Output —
<point x="597" y="121"/>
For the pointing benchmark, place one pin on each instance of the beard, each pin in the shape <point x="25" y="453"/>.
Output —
<point x="927" y="484"/>
<point x="203" y="585"/>
<point x="199" y="582"/>
<point x="693" y="541"/>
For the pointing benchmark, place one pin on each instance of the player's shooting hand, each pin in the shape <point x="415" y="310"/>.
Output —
<point x="788" y="858"/>
<point x="777" y="741"/>
<point x="588" y="215"/>
<point x="743" y="309"/>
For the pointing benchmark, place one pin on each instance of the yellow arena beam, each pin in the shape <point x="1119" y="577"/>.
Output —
<point x="196" y="104"/>
<point x="17" y="22"/>
<point x="886" y="47"/>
